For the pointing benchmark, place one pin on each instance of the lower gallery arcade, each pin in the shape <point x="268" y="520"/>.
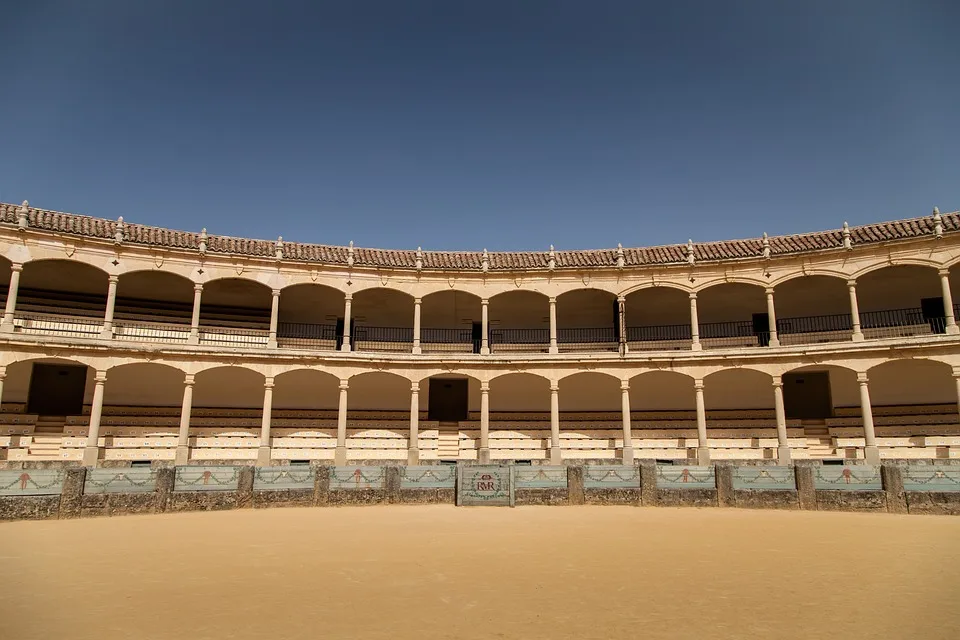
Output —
<point x="137" y="412"/>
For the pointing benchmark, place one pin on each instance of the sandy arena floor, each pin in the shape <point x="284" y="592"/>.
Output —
<point x="441" y="572"/>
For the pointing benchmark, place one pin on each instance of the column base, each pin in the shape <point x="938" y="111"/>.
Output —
<point x="6" y="327"/>
<point x="696" y="346"/>
<point x="783" y="455"/>
<point x="484" y="351"/>
<point x="555" y="457"/>
<point x="483" y="455"/>
<point x="774" y="342"/>
<point x="340" y="456"/>
<point x="193" y="339"/>
<point x="264" y="456"/>
<point x="416" y="350"/>
<point x="413" y="456"/>
<point x="106" y="333"/>
<point x="182" y="456"/>
<point x="953" y="329"/>
<point x="91" y="455"/>
<point x="703" y="456"/>
<point x="553" y="349"/>
<point x="871" y="455"/>
<point x="345" y="347"/>
<point x="858" y="337"/>
<point x="627" y="456"/>
<point x="272" y="343"/>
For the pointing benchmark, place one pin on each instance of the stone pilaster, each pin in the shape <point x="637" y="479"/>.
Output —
<point x="893" y="486"/>
<point x="71" y="497"/>
<point x="575" y="491"/>
<point x="725" y="485"/>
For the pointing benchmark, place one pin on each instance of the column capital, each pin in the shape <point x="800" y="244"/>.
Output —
<point x="113" y="279"/>
<point x="418" y="301"/>
<point x="268" y="382"/>
<point x="484" y="386"/>
<point x="693" y="295"/>
<point x="276" y="293"/>
<point x="624" y="385"/>
<point x="3" y="373"/>
<point x="484" y="302"/>
<point x="862" y="378"/>
<point x="189" y="380"/>
<point x="768" y="291"/>
<point x="198" y="286"/>
<point x="16" y="267"/>
<point x="944" y="272"/>
<point x="347" y="296"/>
<point x="852" y="282"/>
<point x="344" y="385"/>
<point x="554" y="386"/>
<point x="698" y="384"/>
<point x="777" y="381"/>
<point x="956" y="372"/>
<point x="414" y="387"/>
<point x="100" y="377"/>
<point x="553" y="299"/>
<point x="621" y="299"/>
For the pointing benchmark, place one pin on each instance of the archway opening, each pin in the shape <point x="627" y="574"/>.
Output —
<point x="154" y="306"/>
<point x="901" y="301"/>
<point x="733" y="314"/>
<point x="658" y="318"/>
<point x="813" y="309"/>
<point x="588" y="320"/>
<point x="61" y="297"/>
<point x="519" y="322"/>
<point x="451" y="322"/>
<point x="310" y="316"/>
<point x="235" y="311"/>
<point x="383" y="320"/>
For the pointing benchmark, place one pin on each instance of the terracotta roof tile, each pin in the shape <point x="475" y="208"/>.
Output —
<point x="88" y="226"/>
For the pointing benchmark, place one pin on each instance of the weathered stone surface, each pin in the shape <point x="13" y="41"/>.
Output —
<point x="541" y="496"/>
<point x="29" y="507"/>
<point x="613" y="495"/>
<point x="806" y="489"/>
<point x="343" y="497"/>
<point x="71" y="495"/>
<point x="934" y="502"/>
<point x="764" y="499"/>
<point x="851" y="500"/>
<point x="648" y="483"/>
<point x="575" y="490"/>
<point x="893" y="487"/>
<point x="427" y="496"/>
<point x="10" y="464"/>
<point x="202" y="501"/>
<point x="391" y="482"/>
<point x="166" y="477"/>
<point x="115" y="504"/>
<point x="725" y="485"/>
<point x="282" y="498"/>
<point x="245" y="488"/>
<point x="321" y="485"/>
<point x="687" y="497"/>
<point x="51" y="464"/>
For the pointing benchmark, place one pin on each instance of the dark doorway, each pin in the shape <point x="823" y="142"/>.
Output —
<point x="934" y="313"/>
<point x="476" y="334"/>
<point x="806" y="396"/>
<point x="761" y="328"/>
<point x="449" y="399"/>
<point x="56" y="389"/>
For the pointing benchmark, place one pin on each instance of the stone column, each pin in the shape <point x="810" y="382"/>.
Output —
<point x="854" y="311"/>
<point x="948" y="302"/>
<point x="703" y="448"/>
<point x="555" y="423"/>
<point x="484" y="327"/>
<point x="694" y="324"/>
<point x="622" y="320"/>
<point x="107" y="331"/>
<point x="195" y="318"/>
<point x="183" y="438"/>
<point x="416" y="325"/>
<point x="263" y="453"/>
<point x="413" y="450"/>
<point x="91" y="453"/>
<point x="553" y="326"/>
<point x="484" y="453"/>
<point x="806" y="488"/>
<point x="274" y="319"/>
<point x="783" y="447"/>
<point x="347" y="302"/>
<point x="7" y="323"/>
<point x="772" y="319"/>
<point x="892" y="478"/>
<point x="871" y="454"/>
<point x="627" y="456"/>
<point x="340" y="455"/>
<point x="3" y="376"/>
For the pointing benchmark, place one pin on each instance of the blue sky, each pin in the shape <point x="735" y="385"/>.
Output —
<point x="498" y="124"/>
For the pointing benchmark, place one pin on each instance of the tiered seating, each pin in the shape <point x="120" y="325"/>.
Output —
<point x="16" y="431"/>
<point x="903" y="431"/>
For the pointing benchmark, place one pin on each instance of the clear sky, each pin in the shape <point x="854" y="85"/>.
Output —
<point x="499" y="124"/>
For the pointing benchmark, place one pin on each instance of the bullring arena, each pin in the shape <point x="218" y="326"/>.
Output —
<point x="146" y="371"/>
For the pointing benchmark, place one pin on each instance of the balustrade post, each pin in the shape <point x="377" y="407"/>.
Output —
<point x="703" y="447"/>
<point x="553" y="326"/>
<point x="413" y="447"/>
<point x="871" y="453"/>
<point x="484" y="453"/>
<point x="854" y="311"/>
<point x="555" y="457"/>
<point x="182" y="455"/>
<point x="195" y="318"/>
<point x="484" y="327"/>
<point x="340" y="454"/>
<point x="274" y="319"/>
<point x="694" y="324"/>
<point x="627" y="456"/>
<point x="951" y="326"/>
<point x="6" y="325"/>
<point x="107" y="331"/>
<point x="347" y="303"/>
<point x="91" y="452"/>
<point x="264" y="452"/>
<point x="783" y="446"/>
<point x="772" y="319"/>
<point x="416" y="325"/>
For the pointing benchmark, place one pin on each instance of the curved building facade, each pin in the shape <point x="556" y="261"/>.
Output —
<point x="124" y="344"/>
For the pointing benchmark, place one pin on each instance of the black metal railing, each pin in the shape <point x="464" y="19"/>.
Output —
<point x="507" y="340"/>
<point x="815" y="324"/>
<point x="367" y="338"/>
<point x="898" y="323"/>
<point x="660" y="338"/>
<point x="299" y="335"/>
<point x="587" y="339"/>
<point x="449" y="340"/>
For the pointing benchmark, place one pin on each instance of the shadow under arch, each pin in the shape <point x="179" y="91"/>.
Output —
<point x="228" y="386"/>
<point x="660" y="390"/>
<point x="519" y="392"/>
<point x="658" y="317"/>
<point x="163" y="295"/>
<point x="378" y="391"/>
<point x="306" y="389"/>
<point x="590" y="391"/>
<point x="912" y="381"/>
<point x="19" y="375"/>
<point x="738" y="388"/>
<point x="62" y="287"/>
<point x="144" y="384"/>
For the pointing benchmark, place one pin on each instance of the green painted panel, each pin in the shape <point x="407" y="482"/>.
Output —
<point x="285" y="477"/>
<point x="212" y="478"/>
<point x="132" y="480"/>
<point x="540" y="477"/>
<point x="854" y="477"/>
<point x="611" y="476"/>
<point x="931" y="478"/>
<point x="485" y="485"/>
<point x="358" y="477"/>
<point x="31" y="482"/>
<point x="767" y="478"/>
<point x="441" y="476"/>
<point x="689" y="477"/>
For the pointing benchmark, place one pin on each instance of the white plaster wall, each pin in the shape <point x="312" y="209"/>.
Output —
<point x="812" y="296"/>
<point x="148" y="385"/>
<point x="306" y="389"/>
<point x="900" y="287"/>
<point x="658" y="306"/>
<point x="662" y="391"/>
<point x="379" y="391"/>
<point x="383" y="308"/>
<point x="586" y="309"/>
<point x="228" y="387"/>
<point x="590" y="392"/>
<point x="730" y="302"/>
<point x="449" y="310"/>
<point x="519" y="392"/>
<point x="520" y="310"/>
<point x="310" y="304"/>
<point x="738" y="389"/>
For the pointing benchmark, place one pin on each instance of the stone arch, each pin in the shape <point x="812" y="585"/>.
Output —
<point x="228" y="387"/>
<point x="233" y="301"/>
<point x="813" y="308"/>
<point x="144" y="384"/>
<point x="887" y="288"/>
<point x="658" y="317"/>
<point x="739" y="388"/>
<point x="63" y="287"/>
<point x="587" y="320"/>
<point x="448" y="318"/>
<point x="519" y="321"/>
<point x="662" y="391"/>
<point x="589" y="391"/>
<point x="307" y="389"/>
<point x="16" y="384"/>
<point x="166" y="294"/>
<point x="473" y="389"/>
<point x="379" y="391"/>
<point x="511" y="392"/>
<point x="310" y="303"/>
<point x="911" y="381"/>
<point x="727" y="311"/>
<point x="844" y="389"/>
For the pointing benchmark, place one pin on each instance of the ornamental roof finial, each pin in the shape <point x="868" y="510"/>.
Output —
<point x="203" y="242"/>
<point x="278" y="248"/>
<point x="847" y="243"/>
<point x="419" y="258"/>
<point x="691" y="258"/>
<point x="766" y="246"/>
<point x="22" y="212"/>
<point x="552" y="262"/>
<point x="937" y="223"/>
<point x="621" y="260"/>
<point x="350" y="253"/>
<point x="485" y="261"/>
<point x="118" y="234"/>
